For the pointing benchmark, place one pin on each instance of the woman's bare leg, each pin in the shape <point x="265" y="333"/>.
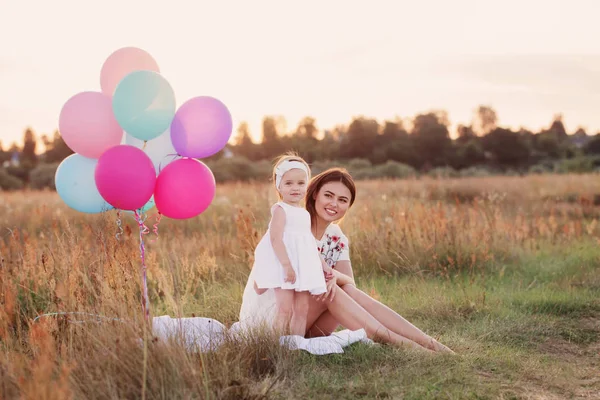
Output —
<point x="315" y="310"/>
<point x="324" y="325"/>
<point x="392" y="320"/>
<point x="351" y="315"/>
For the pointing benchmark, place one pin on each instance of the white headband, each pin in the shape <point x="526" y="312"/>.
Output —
<point x="284" y="167"/>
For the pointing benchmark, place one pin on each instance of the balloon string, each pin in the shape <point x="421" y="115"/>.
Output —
<point x="173" y="157"/>
<point x="119" y="234"/>
<point x="155" y="226"/>
<point x="143" y="230"/>
<point x="144" y="146"/>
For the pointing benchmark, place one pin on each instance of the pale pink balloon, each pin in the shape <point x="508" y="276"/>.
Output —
<point x="125" y="177"/>
<point x="184" y="189"/>
<point x="87" y="124"/>
<point x="122" y="62"/>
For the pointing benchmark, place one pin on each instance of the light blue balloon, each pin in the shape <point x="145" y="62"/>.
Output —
<point x="144" y="104"/>
<point x="160" y="149"/>
<point x="76" y="185"/>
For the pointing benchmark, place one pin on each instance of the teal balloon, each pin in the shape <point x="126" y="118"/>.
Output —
<point x="144" y="104"/>
<point x="76" y="186"/>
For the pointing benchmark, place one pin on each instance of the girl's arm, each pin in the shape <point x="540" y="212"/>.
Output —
<point x="276" y="234"/>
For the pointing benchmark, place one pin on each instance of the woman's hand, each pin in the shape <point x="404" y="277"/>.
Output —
<point x="331" y="287"/>
<point x="328" y="272"/>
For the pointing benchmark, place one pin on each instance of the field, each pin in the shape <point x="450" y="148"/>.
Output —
<point x="504" y="270"/>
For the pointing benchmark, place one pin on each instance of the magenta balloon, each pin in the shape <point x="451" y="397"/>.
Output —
<point x="122" y="62"/>
<point x="87" y="124"/>
<point x="184" y="189"/>
<point x="201" y="127"/>
<point x="125" y="177"/>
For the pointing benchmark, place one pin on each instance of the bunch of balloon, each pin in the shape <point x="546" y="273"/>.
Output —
<point x="135" y="150"/>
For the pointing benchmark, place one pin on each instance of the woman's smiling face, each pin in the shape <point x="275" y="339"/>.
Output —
<point x="332" y="201"/>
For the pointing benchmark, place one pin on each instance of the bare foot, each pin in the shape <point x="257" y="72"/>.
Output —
<point x="438" y="347"/>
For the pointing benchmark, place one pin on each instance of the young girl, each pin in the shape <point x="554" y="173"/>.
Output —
<point x="286" y="258"/>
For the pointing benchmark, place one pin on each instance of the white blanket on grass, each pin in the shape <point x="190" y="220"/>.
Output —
<point x="207" y="334"/>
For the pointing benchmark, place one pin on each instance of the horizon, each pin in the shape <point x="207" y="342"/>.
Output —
<point x="528" y="62"/>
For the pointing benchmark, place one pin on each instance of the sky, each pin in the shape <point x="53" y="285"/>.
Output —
<point x="330" y="59"/>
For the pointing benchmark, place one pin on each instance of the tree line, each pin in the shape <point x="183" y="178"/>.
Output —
<point x="422" y="143"/>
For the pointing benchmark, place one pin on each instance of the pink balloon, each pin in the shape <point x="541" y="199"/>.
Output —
<point x="125" y="177"/>
<point x="184" y="189"/>
<point x="87" y="124"/>
<point x="121" y="63"/>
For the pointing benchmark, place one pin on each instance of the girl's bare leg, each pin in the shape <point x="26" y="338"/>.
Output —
<point x="392" y="320"/>
<point x="300" y="313"/>
<point x="285" y="303"/>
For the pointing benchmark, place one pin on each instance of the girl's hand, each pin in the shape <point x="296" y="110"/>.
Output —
<point x="290" y="275"/>
<point x="331" y="289"/>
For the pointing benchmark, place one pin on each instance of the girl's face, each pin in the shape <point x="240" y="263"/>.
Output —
<point x="293" y="186"/>
<point x="332" y="201"/>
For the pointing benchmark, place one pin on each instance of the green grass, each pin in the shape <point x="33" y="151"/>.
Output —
<point x="517" y="340"/>
<point x="532" y="331"/>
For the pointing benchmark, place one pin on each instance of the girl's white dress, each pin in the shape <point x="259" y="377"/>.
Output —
<point x="302" y="252"/>
<point x="260" y="310"/>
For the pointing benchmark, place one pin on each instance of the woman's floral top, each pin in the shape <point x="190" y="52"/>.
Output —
<point x="334" y="246"/>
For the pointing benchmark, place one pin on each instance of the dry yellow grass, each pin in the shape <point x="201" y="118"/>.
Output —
<point x="56" y="259"/>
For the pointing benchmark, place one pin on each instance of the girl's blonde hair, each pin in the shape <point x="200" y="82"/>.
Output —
<point x="289" y="156"/>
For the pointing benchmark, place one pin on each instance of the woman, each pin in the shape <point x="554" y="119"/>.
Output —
<point x="328" y="198"/>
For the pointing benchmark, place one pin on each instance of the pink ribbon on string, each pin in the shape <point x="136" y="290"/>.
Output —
<point x="155" y="226"/>
<point x="143" y="230"/>
<point x="141" y="221"/>
<point x="146" y="230"/>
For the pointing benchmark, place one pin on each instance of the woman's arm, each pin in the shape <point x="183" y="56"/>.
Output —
<point x="344" y="274"/>
<point x="339" y="278"/>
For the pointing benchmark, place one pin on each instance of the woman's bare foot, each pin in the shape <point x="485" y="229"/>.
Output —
<point x="438" y="347"/>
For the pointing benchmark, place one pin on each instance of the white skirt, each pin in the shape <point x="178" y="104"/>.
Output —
<point x="304" y="257"/>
